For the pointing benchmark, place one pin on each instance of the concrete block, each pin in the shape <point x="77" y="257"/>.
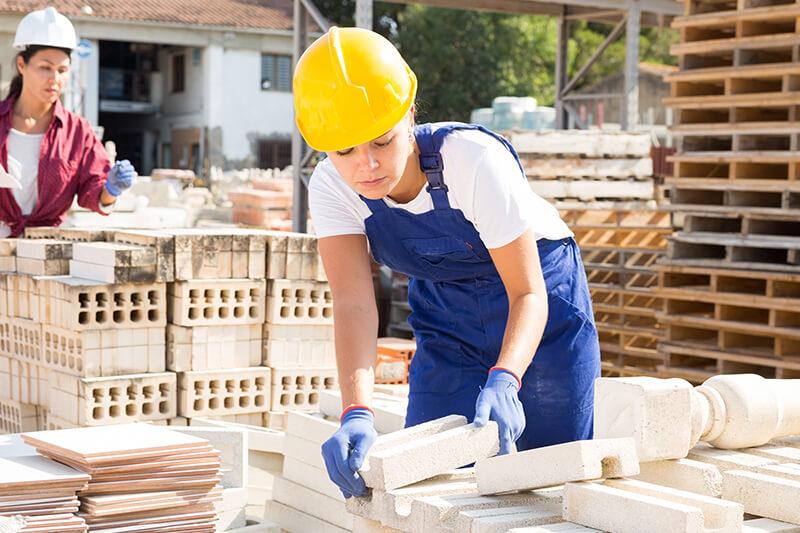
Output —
<point x="215" y="302"/>
<point x="112" y="274"/>
<point x="162" y="242"/>
<point x="26" y="340"/>
<point x="424" y="451"/>
<point x="298" y="346"/>
<point x="763" y="495"/>
<point x="620" y="505"/>
<point x="219" y="392"/>
<point x="291" y="519"/>
<point x="310" y="426"/>
<point x="114" y="254"/>
<point x="43" y="249"/>
<point x="767" y="525"/>
<point x="683" y="474"/>
<point x="42" y="267"/>
<point x="233" y="448"/>
<point x="727" y="459"/>
<point x="213" y="347"/>
<point x="17" y="417"/>
<point x="311" y="477"/>
<point x="299" y="388"/>
<point x="390" y="411"/>
<point x="655" y="412"/>
<point x="311" y="503"/>
<point x="785" y="470"/>
<point x="500" y="520"/>
<point x="555" y="465"/>
<point x="293" y="302"/>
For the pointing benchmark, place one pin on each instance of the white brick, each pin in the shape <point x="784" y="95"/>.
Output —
<point x="113" y="254"/>
<point x="683" y="474"/>
<point x="213" y="347"/>
<point x="655" y="412"/>
<point x="232" y="446"/>
<point x="500" y="520"/>
<point x="216" y="302"/>
<point x="258" y="439"/>
<point x="763" y="495"/>
<point x="390" y="411"/>
<point x="293" y="302"/>
<point x="299" y="388"/>
<point x="43" y="249"/>
<point x="311" y="503"/>
<point x="727" y="459"/>
<point x="767" y="525"/>
<point x="391" y="464"/>
<point x="291" y="519"/>
<point x="781" y="454"/>
<point x="562" y="527"/>
<point x="311" y="427"/>
<point x="296" y="346"/>
<point x="571" y="461"/>
<point x="223" y="392"/>
<point x="311" y="477"/>
<point x="112" y="274"/>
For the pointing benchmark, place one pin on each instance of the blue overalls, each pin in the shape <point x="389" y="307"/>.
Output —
<point x="460" y="308"/>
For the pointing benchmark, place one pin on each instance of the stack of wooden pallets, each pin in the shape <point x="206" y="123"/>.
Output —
<point x="731" y="280"/>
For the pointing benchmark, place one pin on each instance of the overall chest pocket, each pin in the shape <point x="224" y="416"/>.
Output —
<point x="438" y="251"/>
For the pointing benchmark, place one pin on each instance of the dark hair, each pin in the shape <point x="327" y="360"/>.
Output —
<point x="15" y="88"/>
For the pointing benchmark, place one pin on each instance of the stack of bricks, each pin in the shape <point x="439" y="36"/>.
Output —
<point x="163" y="326"/>
<point x="268" y="204"/>
<point x="731" y="281"/>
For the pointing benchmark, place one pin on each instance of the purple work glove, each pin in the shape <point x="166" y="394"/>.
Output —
<point x="345" y="451"/>
<point x="120" y="177"/>
<point x="498" y="401"/>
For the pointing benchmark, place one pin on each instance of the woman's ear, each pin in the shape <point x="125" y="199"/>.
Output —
<point x="20" y="64"/>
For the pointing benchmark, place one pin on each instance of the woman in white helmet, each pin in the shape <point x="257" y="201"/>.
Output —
<point x="49" y="155"/>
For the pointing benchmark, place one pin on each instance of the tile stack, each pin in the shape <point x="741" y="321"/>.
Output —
<point x="730" y="280"/>
<point x="141" y="476"/>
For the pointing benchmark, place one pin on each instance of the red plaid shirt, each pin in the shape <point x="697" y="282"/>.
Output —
<point x="72" y="161"/>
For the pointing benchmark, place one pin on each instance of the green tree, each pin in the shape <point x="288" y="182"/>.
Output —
<point x="463" y="59"/>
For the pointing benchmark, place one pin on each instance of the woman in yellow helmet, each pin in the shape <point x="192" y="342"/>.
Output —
<point x="500" y="303"/>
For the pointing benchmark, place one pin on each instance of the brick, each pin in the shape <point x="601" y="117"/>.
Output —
<point x="780" y="454"/>
<point x="258" y="439"/>
<point x="562" y="527"/>
<point x="42" y="232"/>
<point x="162" y="242"/>
<point x="311" y="477"/>
<point x="620" y="505"/>
<point x="571" y="461"/>
<point x="8" y="247"/>
<point x="44" y="249"/>
<point x="53" y="423"/>
<point x="727" y="459"/>
<point x="786" y="470"/>
<point x="40" y="267"/>
<point x="501" y="520"/>
<point x="84" y="234"/>
<point x="218" y="392"/>
<point x="215" y="303"/>
<point x="80" y="304"/>
<point x="16" y="417"/>
<point x="655" y="412"/>
<point x="767" y="525"/>
<point x="112" y="274"/>
<point x="390" y="412"/>
<point x="213" y="347"/>
<point x="683" y="474"/>
<point x="298" y="345"/>
<point x="763" y="495"/>
<point x="291" y="519"/>
<point x="113" y="400"/>
<point x="232" y="446"/>
<point x="27" y="382"/>
<point x="311" y="503"/>
<point x="277" y="244"/>
<point x="114" y="254"/>
<point x="395" y="461"/>
<point x="299" y="302"/>
<point x="299" y="388"/>
<point x="103" y="353"/>
<point x="25" y="340"/>
<point x="362" y="525"/>
<point x="311" y="427"/>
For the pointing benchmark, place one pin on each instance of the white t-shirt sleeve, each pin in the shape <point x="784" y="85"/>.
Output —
<point x="504" y="206"/>
<point x="332" y="212"/>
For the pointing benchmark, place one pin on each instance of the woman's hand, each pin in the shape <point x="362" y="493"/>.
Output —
<point x="120" y="178"/>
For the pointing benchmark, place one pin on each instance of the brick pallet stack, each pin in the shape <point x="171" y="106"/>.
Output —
<point x="162" y="326"/>
<point x="603" y="186"/>
<point x="731" y="282"/>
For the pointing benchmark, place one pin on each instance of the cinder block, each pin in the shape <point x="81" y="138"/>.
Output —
<point x="291" y="519"/>
<point x="311" y="503"/>
<point x="297" y="346"/>
<point x="299" y="388"/>
<point x="683" y="474"/>
<point x="16" y="417"/>
<point x="219" y="392"/>
<point x="84" y="234"/>
<point x="555" y="465"/>
<point x="215" y="303"/>
<point x="727" y="459"/>
<point x="299" y="302"/>
<point x="763" y="495"/>
<point x="620" y="505"/>
<point x="114" y="254"/>
<point x="112" y="274"/>
<point x="26" y="340"/>
<point x="232" y="446"/>
<point x="390" y="411"/>
<point x="113" y="400"/>
<point x="212" y="347"/>
<point x="655" y="412"/>
<point x="103" y="353"/>
<point x="395" y="461"/>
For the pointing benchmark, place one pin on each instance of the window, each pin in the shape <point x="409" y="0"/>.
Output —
<point x="178" y="73"/>
<point x="274" y="154"/>
<point x="276" y="73"/>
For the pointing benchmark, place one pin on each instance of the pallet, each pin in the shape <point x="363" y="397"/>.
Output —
<point x="723" y="16"/>
<point x="773" y="199"/>
<point x="704" y="362"/>
<point x="724" y="250"/>
<point x="635" y="218"/>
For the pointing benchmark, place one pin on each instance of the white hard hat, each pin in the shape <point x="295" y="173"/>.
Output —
<point x="45" y="27"/>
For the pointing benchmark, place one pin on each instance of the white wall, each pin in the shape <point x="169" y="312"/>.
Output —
<point x="191" y="99"/>
<point x="248" y="112"/>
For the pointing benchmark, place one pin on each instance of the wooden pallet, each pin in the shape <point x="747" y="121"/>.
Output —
<point x="702" y="363"/>
<point x="752" y="198"/>
<point x="721" y="250"/>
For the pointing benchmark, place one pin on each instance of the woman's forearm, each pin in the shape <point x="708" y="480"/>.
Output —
<point x="356" y="332"/>
<point x="105" y="198"/>
<point x="527" y="316"/>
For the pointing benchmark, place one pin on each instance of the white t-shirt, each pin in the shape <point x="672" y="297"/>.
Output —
<point x="23" y="164"/>
<point x="484" y="182"/>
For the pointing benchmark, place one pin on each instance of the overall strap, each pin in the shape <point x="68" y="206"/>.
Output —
<point x="374" y="205"/>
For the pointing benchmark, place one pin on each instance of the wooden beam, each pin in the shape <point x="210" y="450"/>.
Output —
<point x="562" y="43"/>
<point x="544" y="7"/>
<point x="364" y="14"/>
<point x="616" y="32"/>
<point x="300" y="191"/>
<point x="630" y="102"/>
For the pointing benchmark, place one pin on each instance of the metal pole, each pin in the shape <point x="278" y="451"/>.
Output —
<point x="562" y="41"/>
<point x="364" y="14"/>
<point x="630" y="103"/>
<point x="300" y="193"/>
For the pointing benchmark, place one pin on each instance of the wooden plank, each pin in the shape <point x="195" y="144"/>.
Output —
<point x="711" y="46"/>
<point x="739" y="156"/>
<point x="582" y="143"/>
<point x="547" y="168"/>
<point x="738" y="128"/>
<point x="729" y="184"/>
<point x="774" y="70"/>
<point x="731" y="17"/>
<point x="765" y="100"/>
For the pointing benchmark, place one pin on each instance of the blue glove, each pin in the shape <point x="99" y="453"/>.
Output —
<point x="120" y="177"/>
<point x="498" y="401"/>
<point x="344" y="452"/>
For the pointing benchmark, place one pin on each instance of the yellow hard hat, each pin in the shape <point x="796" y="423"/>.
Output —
<point x="350" y="86"/>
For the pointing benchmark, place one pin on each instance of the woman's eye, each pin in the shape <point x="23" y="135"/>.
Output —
<point x="384" y="143"/>
<point x="345" y="152"/>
